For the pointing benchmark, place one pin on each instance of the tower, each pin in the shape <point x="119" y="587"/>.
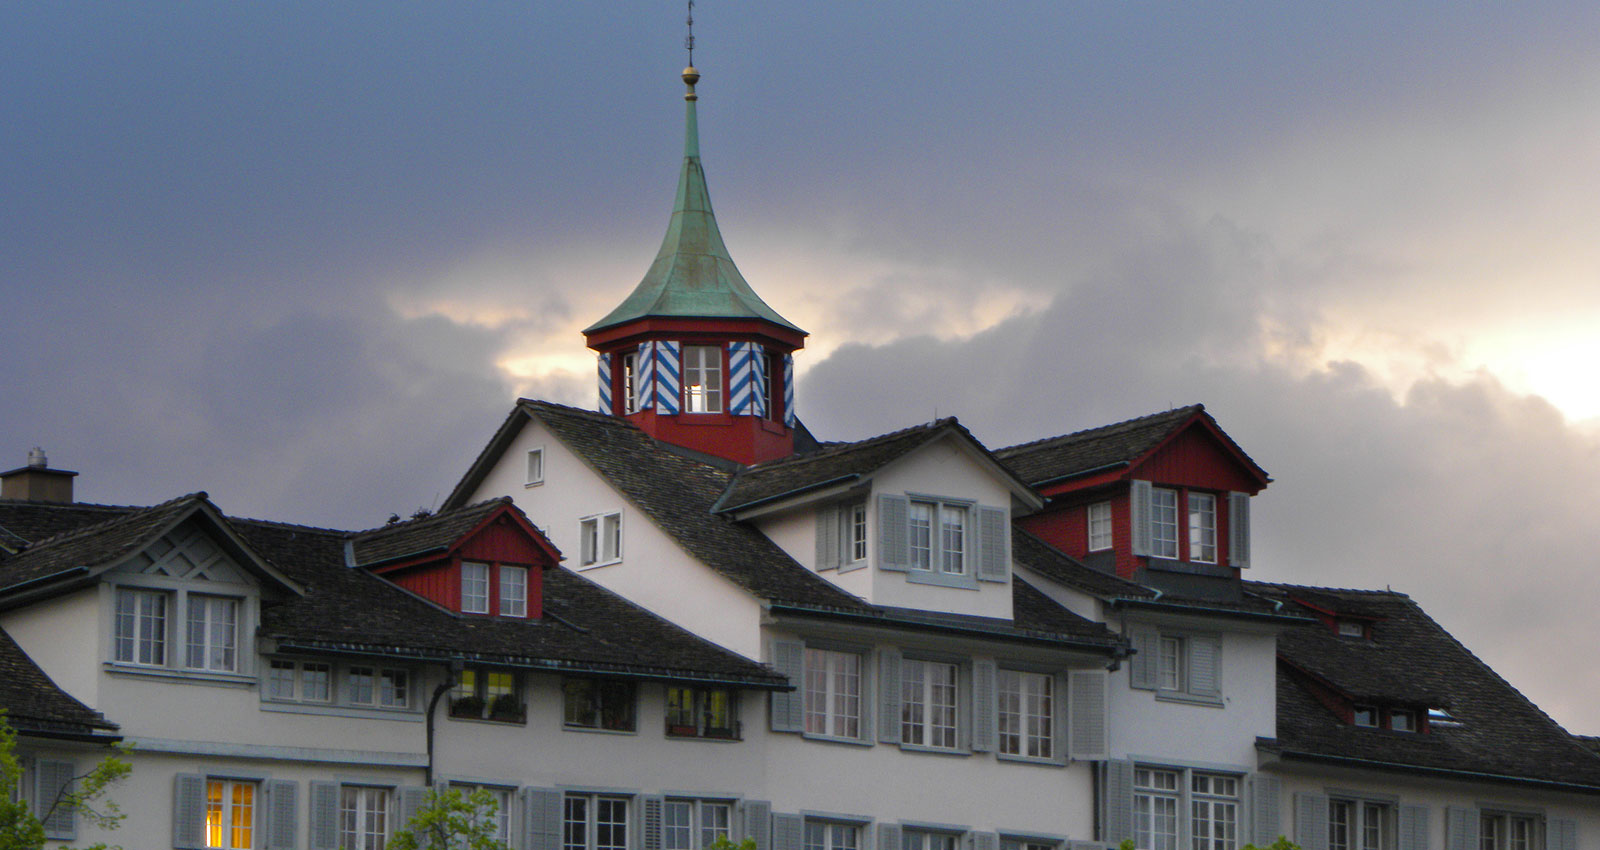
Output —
<point x="693" y="356"/>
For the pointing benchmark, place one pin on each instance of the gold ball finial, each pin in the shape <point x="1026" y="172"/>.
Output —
<point x="690" y="77"/>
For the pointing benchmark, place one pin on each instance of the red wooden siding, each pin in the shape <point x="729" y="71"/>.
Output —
<point x="502" y="540"/>
<point x="440" y="582"/>
<point x="1194" y="459"/>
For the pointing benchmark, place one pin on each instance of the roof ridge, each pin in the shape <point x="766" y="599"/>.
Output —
<point x="293" y="526"/>
<point x="833" y="448"/>
<point x="68" y="505"/>
<point x="1040" y="443"/>
<point x="417" y="522"/>
<point x="96" y="527"/>
<point x="1363" y="590"/>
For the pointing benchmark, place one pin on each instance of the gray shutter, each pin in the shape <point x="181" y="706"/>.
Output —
<point x="994" y="544"/>
<point x="188" y="811"/>
<point x="282" y="815"/>
<point x="1239" y="529"/>
<point x="983" y="705"/>
<point x="828" y="537"/>
<point x="758" y="822"/>
<point x="1563" y="834"/>
<point x="1264" y="794"/>
<point x="986" y="841"/>
<point x="410" y="800"/>
<point x="1139" y="512"/>
<point x="1142" y="666"/>
<point x="1086" y="692"/>
<point x="1117" y="798"/>
<point x="788" y="832"/>
<point x="652" y="822"/>
<point x="1413" y="828"/>
<point x="1205" y="666"/>
<point x="889" y="696"/>
<point x="324" y="819"/>
<point x="53" y="779"/>
<point x="541" y="819"/>
<point x="788" y="707"/>
<point x="1061" y="717"/>
<point x="894" y="532"/>
<point x="889" y="836"/>
<point x="1311" y="821"/>
<point x="1461" y="828"/>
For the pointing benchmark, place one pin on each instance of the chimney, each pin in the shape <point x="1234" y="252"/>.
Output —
<point x="37" y="482"/>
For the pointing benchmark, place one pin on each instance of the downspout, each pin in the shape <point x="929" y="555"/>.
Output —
<point x="452" y="672"/>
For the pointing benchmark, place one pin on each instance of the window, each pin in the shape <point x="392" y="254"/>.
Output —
<point x="1203" y="528"/>
<point x="308" y="681"/>
<point x="141" y="627"/>
<point x="487" y="695"/>
<point x="823" y="835"/>
<point x="1365" y="715"/>
<point x="1352" y="628"/>
<point x="213" y="626"/>
<point x="363" y="818"/>
<point x="856" y="536"/>
<point x="1155" y="809"/>
<point x="513" y="591"/>
<point x="702" y="379"/>
<point x="1505" y="831"/>
<point x="1027" y="714"/>
<point x="1358" y="825"/>
<point x="474" y="588"/>
<point x="1164" y="523"/>
<point x="594" y="822"/>
<point x="630" y="382"/>
<point x="598" y="704"/>
<point x="535" y="467"/>
<point x="769" y="386"/>
<point x="1099" y="526"/>
<point x="600" y="539"/>
<point x="928" y="704"/>
<point x="1028" y="844"/>
<point x="500" y="820"/>
<point x="695" y="824"/>
<point x="1401" y="720"/>
<point x="833" y="693"/>
<point x="392" y="692"/>
<point x="938" y="537"/>
<point x="230" y="814"/>
<point x="1172" y="663"/>
<point x="1215" y="806"/>
<point x="1177" y="665"/>
<point x="922" y="839"/>
<point x="701" y="712"/>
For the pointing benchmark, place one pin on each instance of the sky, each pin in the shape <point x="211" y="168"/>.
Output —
<point x="304" y="256"/>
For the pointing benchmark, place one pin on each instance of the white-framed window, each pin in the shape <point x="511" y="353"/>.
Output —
<point x="702" y="712"/>
<point x="928" y="703"/>
<point x="769" y="386"/>
<point x="1214" y="804"/>
<point x="833" y="693"/>
<point x="702" y="379"/>
<point x="1155" y="808"/>
<point x="939" y="537"/>
<point x="606" y="704"/>
<point x="1509" y="831"/>
<point x="925" y="839"/>
<point x="1164" y="523"/>
<point x="535" y="468"/>
<point x="594" y="822"/>
<point x="695" y="824"/>
<point x="1352" y="628"/>
<point x="299" y="681"/>
<point x="230" y="814"/>
<point x="363" y="817"/>
<point x="1178" y="665"/>
<point x="855" y="517"/>
<point x="513" y="591"/>
<point x="1172" y="664"/>
<point x="474" y="588"/>
<point x="500" y="820"/>
<point x="1099" y="526"/>
<point x="1027" y="714"/>
<point x="830" y="835"/>
<point x="141" y="627"/>
<point x="1203" y="528"/>
<point x="1360" y="825"/>
<point x="213" y="628"/>
<point x="630" y="382"/>
<point x="486" y="694"/>
<point x="600" y="539"/>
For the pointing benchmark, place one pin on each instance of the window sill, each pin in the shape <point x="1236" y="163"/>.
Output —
<point x="831" y="739"/>
<point x="597" y="564"/>
<point x="192" y="677"/>
<point x="960" y="582"/>
<point x="531" y="484"/>
<point x="1189" y="699"/>
<point x="716" y="739"/>
<point x="491" y="721"/>
<point x="595" y="730"/>
<point x="334" y="710"/>
<point x="933" y="751"/>
<point x="1036" y="761"/>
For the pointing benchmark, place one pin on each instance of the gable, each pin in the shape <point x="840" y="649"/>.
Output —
<point x="187" y="553"/>
<point x="1195" y="457"/>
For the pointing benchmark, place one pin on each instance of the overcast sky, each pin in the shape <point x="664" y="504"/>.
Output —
<point x="304" y="256"/>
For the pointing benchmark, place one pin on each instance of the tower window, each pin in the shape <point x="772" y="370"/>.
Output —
<point x="630" y="382"/>
<point x="702" y="379"/>
<point x="769" y="386"/>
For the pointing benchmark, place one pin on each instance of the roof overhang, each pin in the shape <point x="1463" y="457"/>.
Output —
<point x="1272" y="750"/>
<point x="887" y="625"/>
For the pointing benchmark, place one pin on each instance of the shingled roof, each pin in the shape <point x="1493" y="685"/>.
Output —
<point x="1411" y="661"/>
<point x="1056" y="565"/>
<point x="34" y="704"/>
<point x="421" y="536"/>
<point x="103" y="539"/>
<point x="1070" y="454"/>
<point x="831" y="463"/>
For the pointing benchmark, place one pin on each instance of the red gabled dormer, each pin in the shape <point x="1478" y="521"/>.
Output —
<point x="483" y="560"/>
<point x="1167" y="491"/>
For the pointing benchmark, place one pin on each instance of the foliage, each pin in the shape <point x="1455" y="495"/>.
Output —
<point x="725" y="844"/>
<point x="451" y="819"/>
<point x="1282" y="843"/>
<point x="21" y="829"/>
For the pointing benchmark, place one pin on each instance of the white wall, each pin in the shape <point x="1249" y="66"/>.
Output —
<point x="62" y="636"/>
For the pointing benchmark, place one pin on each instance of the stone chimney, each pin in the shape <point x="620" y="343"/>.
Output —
<point x="37" y="482"/>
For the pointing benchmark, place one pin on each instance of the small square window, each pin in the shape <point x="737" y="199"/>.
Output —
<point x="1352" y="628"/>
<point x="600" y="539"/>
<point x="1366" y="715"/>
<point x="1403" y="721"/>
<point x="535" y="467"/>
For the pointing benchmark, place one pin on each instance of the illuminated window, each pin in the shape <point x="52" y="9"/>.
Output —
<point x="702" y="379"/>
<point x="230" y="814"/>
<point x="701" y="712"/>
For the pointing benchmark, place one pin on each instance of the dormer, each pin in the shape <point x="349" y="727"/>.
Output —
<point x="1163" y="498"/>
<point x="1339" y="615"/>
<point x="1369" y="708"/>
<point x="693" y="356"/>
<point x="483" y="560"/>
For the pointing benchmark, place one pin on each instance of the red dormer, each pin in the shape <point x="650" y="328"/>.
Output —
<point x="1169" y="491"/>
<point x="481" y="560"/>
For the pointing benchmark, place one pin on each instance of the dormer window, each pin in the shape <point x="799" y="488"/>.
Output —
<point x="474" y="588"/>
<point x="1099" y="526"/>
<point x="1203" y="528"/>
<point x="1352" y="628"/>
<point x="513" y="591"/>
<point x="939" y="537"/>
<point x="1402" y="720"/>
<point x="1164" y="523"/>
<point x="1365" y="715"/>
<point x="702" y="379"/>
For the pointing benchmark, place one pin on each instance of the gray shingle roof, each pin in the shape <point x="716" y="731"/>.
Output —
<point x="830" y="463"/>
<point x="1081" y="451"/>
<point x="34" y="703"/>
<point x="107" y="537"/>
<point x="420" y="536"/>
<point x="1058" y="566"/>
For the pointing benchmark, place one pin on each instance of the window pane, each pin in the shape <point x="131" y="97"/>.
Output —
<point x="921" y="519"/>
<point x="474" y="588"/>
<point x="1164" y="523"/>
<point x="514" y="591"/>
<point x="1203" y="527"/>
<point x="952" y="539"/>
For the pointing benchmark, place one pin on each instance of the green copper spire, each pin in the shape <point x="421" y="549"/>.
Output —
<point x="692" y="275"/>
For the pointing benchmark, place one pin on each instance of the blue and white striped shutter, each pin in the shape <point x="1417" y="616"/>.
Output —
<point x="788" y="707"/>
<point x="1205" y="666"/>
<point x="644" y="375"/>
<point x="653" y="803"/>
<point x="994" y="544"/>
<point x="757" y="821"/>
<point x="1460" y="828"/>
<point x="605" y="383"/>
<point x="1563" y="834"/>
<point x="1145" y="642"/>
<point x="889" y="836"/>
<point x="1141" y="511"/>
<point x="411" y="799"/>
<point x="788" y="390"/>
<point x="894" y="532"/>
<point x="1239" y="529"/>
<point x="188" y="811"/>
<point x="744" y="367"/>
<point x="669" y="377"/>
<point x="788" y="832"/>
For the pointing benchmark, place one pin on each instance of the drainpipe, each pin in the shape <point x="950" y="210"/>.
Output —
<point x="452" y="672"/>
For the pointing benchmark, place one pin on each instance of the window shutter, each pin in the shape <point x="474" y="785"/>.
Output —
<point x="788" y="390"/>
<point x="1264" y="794"/>
<point x="1461" y="828"/>
<point x="1117" y="798"/>
<point x="411" y="798"/>
<point x="788" y="707"/>
<point x="53" y="779"/>
<point x="644" y="378"/>
<point x="324" y="825"/>
<point x="828" y="537"/>
<point x="889" y="696"/>
<point x="894" y="532"/>
<point x="652" y="822"/>
<point x="668" y="375"/>
<point x="1142" y="666"/>
<point x="282" y="816"/>
<point x="1205" y="666"/>
<point x="1140" y="511"/>
<point x="541" y="819"/>
<point x="1239" y="529"/>
<point x="744" y="379"/>
<point x="889" y="836"/>
<point x="758" y="822"/>
<point x="188" y="811"/>
<point x="1413" y="828"/>
<point x="994" y="544"/>
<point x="1563" y="834"/>
<point x="1061" y="719"/>
<point x="1311" y="821"/>
<point x="1086" y="695"/>
<point x="605" y="383"/>
<point x="788" y="832"/>
<point x="983" y="705"/>
<point x="986" y="841"/>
